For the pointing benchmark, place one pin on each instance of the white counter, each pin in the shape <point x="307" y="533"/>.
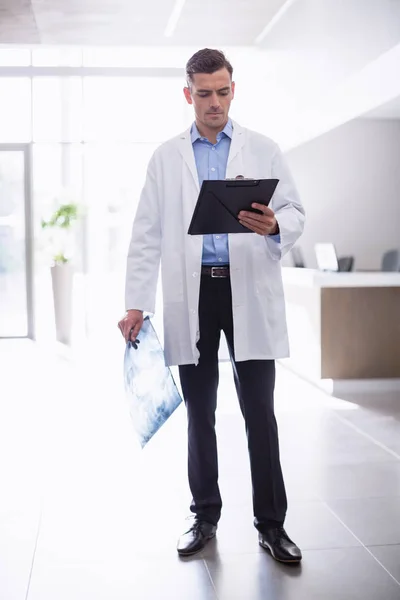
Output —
<point x="343" y="326"/>
<point x="315" y="278"/>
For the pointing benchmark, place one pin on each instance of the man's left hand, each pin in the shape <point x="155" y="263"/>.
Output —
<point x="265" y="224"/>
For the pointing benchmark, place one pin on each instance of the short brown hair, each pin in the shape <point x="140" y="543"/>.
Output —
<point x="207" y="61"/>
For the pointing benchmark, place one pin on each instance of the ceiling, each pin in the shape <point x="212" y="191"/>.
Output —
<point x="304" y="66"/>
<point x="130" y="22"/>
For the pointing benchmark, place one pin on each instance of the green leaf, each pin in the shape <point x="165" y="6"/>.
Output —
<point x="63" y="217"/>
<point x="60" y="259"/>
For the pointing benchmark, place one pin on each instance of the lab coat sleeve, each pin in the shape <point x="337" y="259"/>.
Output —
<point x="288" y="209"/>
<point x="144" y="252"/>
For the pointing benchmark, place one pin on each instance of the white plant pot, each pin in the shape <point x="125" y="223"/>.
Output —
<point x="62" y="277"/>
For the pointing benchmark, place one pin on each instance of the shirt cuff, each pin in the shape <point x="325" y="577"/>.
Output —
<point x="276" y="237"/>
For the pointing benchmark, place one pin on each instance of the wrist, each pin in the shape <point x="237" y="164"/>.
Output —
<point x="275" y="230"/>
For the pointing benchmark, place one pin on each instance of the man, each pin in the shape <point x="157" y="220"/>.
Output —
<point x="218" y="282"/>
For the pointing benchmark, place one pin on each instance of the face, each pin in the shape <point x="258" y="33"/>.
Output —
<point x="211" y="95"/>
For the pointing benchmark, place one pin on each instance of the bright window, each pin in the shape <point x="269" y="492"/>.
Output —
<point x="15" y="109"/>
<point x="57" y="109"/>
<point x="15" y="57"/>
<point x="136" y="109"/>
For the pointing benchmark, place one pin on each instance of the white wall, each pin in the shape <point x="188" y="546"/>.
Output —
<point x="349" y="181"/>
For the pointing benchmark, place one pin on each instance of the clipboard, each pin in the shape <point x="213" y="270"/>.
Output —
<point x="220" y="201"/>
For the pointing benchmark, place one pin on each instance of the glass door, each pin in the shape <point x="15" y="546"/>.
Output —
<point x="16" y="246"/>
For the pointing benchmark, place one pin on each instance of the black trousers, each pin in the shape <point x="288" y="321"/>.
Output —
<point x="255" y="382"/>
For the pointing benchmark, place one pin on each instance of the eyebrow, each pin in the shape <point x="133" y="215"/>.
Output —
<point x="228" y="87"/>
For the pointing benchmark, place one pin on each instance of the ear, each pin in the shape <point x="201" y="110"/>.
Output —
<point x="188" y="95"/>
<point x="233" y="89"/>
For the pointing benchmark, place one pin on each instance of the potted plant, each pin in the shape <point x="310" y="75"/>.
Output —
<point x="59" y="227"/>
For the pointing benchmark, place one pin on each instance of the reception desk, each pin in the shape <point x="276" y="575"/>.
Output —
<point x="343" y="326"/>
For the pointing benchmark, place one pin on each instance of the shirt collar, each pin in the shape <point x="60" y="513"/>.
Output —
<point x="227" y="130"/>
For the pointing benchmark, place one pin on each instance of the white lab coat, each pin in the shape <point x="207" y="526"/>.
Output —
<point x="160" y="232"/>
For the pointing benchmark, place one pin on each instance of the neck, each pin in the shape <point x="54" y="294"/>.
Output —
<point x="210" y="133"/>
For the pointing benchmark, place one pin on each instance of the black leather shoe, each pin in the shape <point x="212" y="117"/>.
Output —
<point x="196" y="537"/>
<point x="282" y="548"/>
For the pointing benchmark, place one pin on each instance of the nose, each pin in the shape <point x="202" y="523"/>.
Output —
<point x="214" y="101"/>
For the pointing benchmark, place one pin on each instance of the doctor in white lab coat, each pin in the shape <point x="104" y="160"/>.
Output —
<point x="218" y="283"/>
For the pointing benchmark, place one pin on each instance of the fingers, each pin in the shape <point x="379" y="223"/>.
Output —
<point x="258" y="220"/>
<point x="265" y="217"/>
<point x="125" y="329"/>
<point x="266" y="210"/>
<point x="256" y="229"/>
<point x="134" y="331"/>
<point x="251" y="217"/>
<point x="121" y="327"/>
<point x="130" y="328"/>
<point x="261" y="225"/>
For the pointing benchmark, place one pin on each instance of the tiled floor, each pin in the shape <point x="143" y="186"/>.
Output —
<point x="84" y="514"/>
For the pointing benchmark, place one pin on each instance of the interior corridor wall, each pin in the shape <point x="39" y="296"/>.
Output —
<point x="349" y="181"/>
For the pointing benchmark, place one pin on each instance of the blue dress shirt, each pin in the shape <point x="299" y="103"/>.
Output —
<point x="211" y="160"/>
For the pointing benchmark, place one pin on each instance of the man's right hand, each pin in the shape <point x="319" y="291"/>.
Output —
<point x="131" y="324"/>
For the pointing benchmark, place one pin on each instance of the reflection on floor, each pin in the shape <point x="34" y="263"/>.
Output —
<point x="85" y="514"/>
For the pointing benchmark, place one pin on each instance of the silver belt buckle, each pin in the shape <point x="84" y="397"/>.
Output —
<point x="214" y="273"/>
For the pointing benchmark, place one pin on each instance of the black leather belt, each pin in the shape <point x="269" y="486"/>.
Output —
<point x="216" y="272"/>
